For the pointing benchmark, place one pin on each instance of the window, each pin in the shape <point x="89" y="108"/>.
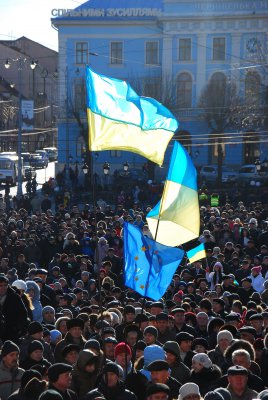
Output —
<point x="81" y="53"/>
<point x="252" y="88"/>
<point x="151" y="53"/>
<point x="184" y="90"/>
<point x="219" y="49"/>
<point x="152" y="89"/>
<point x="185" y="49"/>
<point x="79" y="95"/>
<point x="116" y="56"/>
<point x="115" y="153"/>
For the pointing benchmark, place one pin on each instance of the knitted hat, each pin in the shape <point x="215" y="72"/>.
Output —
<point x="54" y="335"/>
<point x="50" y="394"/>
<point x="111" y="367"/>
<point x="55" y="370"/>
<point x="28" y="375"/>
<point x="224" y="335"/>
<point x="48" y="309"/>
<point x="203" y="359"/>
<point x="92" y="344"/>
<point x="35" y="345"/>
<point x="257" y="269"/>
<point x="152" y="330"/>
<point x="20" y="284"/>
<point x="172" y="347"/>
<point x="187" y="389"/>
<point x="35" y="327"/>
<point x="122" y="348"/>
<point x="9" y="347"/>
<point x="224" y="392"/>
<point x="157" y="388"/>
<point x="213" y="395"/>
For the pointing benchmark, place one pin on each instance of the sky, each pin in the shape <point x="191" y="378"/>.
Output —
<point x="31" y="18"/>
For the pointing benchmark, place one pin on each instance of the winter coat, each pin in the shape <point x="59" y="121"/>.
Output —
<point x="216" y="356"/>
<point x="24" y="345"/>
<point x="15" y="317"/>
<point x="9" y="380"/>
<point x="37" y="312"/>
<point x="119" y="392"/>
<point x="82" y="381"/>
<point x="101" y="252"/>
<point x="32" y="253"/>
<point x="206" y="378"/>
<point x="63" y="343"/>
<point x="257" y="282"/>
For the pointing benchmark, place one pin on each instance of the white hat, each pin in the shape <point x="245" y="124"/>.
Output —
<point x="19" y="284"/>
<point x="202" y="358"/>
<point x="224" y="335"/>
<point x="187" y="389"/>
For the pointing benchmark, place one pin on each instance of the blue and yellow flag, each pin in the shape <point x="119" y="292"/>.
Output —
<point x="119" y="119"/>
<point x="197" y="253"/>
<point x="149" y="266"/>
<point x="175" y="219"/>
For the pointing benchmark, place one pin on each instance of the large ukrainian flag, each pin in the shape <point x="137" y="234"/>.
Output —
<point x="119" y="119"/>
<point x="175" y="219"/>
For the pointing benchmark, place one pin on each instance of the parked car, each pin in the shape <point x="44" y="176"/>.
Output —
<point x="248" y="174"/>
<point x="39" y="159"/>
<point x="52" y="153"/>
<point x="209" y="174"/>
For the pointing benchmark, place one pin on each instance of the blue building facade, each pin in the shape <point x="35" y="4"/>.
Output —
<point x="171" y="50"/>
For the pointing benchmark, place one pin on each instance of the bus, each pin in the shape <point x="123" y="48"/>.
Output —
<point x="9" y="168"/>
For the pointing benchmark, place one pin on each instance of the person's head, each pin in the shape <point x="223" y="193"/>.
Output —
<point x="159" y="370"/>
<point x="172" y="350"/>
<point x="224" y="339"/>
<point x="185" y="340"/>
<point x="200" y="361"/>
<point x="162" y="322"/>
<point x="111" y="374"/>
<point x="179" y="316"/>
<point x="157" y="391"/>
<point x="122" y="354"/>
<point x="48" y="314"/>
<point x="59" y="376"/>
<point x="36" y="350"/>
<point x="75" y="327"/>
<point x="256" y="320"/>
<point x="129" y="314"/>
<point x="150" y="335"/>
<point x="10" y="355"/>
<point x="109" y="346"/>
<point x="189" y="391"/>
<point x="70" y="354"/>
<point x="202" y="319"/>
<point x="237" y="379"/>
<point x="3" y="285"/>
<point x="241" y="357"/>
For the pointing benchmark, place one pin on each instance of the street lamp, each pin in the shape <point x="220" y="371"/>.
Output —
<point x="258" y="165"/>
<point x="106" y="168"/>
<point x="21" y="61"/>
<point x="126" y="166"/>
<point x="85" y="168"/>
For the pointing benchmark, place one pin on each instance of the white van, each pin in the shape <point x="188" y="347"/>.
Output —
<point x="9" y="168"/>
<point x="52" y="153"/>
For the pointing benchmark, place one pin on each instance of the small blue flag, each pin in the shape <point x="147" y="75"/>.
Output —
<point x="149" y="266"/>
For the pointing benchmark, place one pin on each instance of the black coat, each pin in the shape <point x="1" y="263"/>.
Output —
<point x="206" y="379"/>
<point x="15" y="317"/>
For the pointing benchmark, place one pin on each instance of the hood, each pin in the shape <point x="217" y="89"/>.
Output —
<point x="152" y="353"/>
<point x="84" y="357"/>
<point x="33" y="285"/>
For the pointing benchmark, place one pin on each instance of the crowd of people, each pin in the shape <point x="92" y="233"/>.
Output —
<point x="71" y="330"/>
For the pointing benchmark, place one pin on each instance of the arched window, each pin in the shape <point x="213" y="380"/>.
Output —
<point x="252" y="87"/>
<point x="184" y="90"/>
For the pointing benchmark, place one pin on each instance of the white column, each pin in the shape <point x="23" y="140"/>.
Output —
<point x="166" y="64"/>
<point x="201" y="64"/>
<point x="235" y="60"/>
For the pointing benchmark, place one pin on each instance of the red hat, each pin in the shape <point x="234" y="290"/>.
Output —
<point x="122" y="348"/>
<point x="257" y="269"/>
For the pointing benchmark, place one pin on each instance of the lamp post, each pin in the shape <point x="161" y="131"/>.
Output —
<point x="258" y="165"/>
<point x="126" y="166"/>
<point x="20" y="61"/>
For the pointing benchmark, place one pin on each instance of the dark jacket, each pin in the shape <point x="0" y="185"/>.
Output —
<point x="63" y="343"/>
<point x="117" y="393"/>
<point x="14" y="323"/>
<point x="254" y="382"/>
<point x="206" y="379"/>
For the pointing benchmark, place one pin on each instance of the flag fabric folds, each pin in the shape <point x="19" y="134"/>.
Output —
<point x="197" y="253"/>
<point x="119" y="119"/>
<point x="149" y="266"/>
<point x="175" y="219"/>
